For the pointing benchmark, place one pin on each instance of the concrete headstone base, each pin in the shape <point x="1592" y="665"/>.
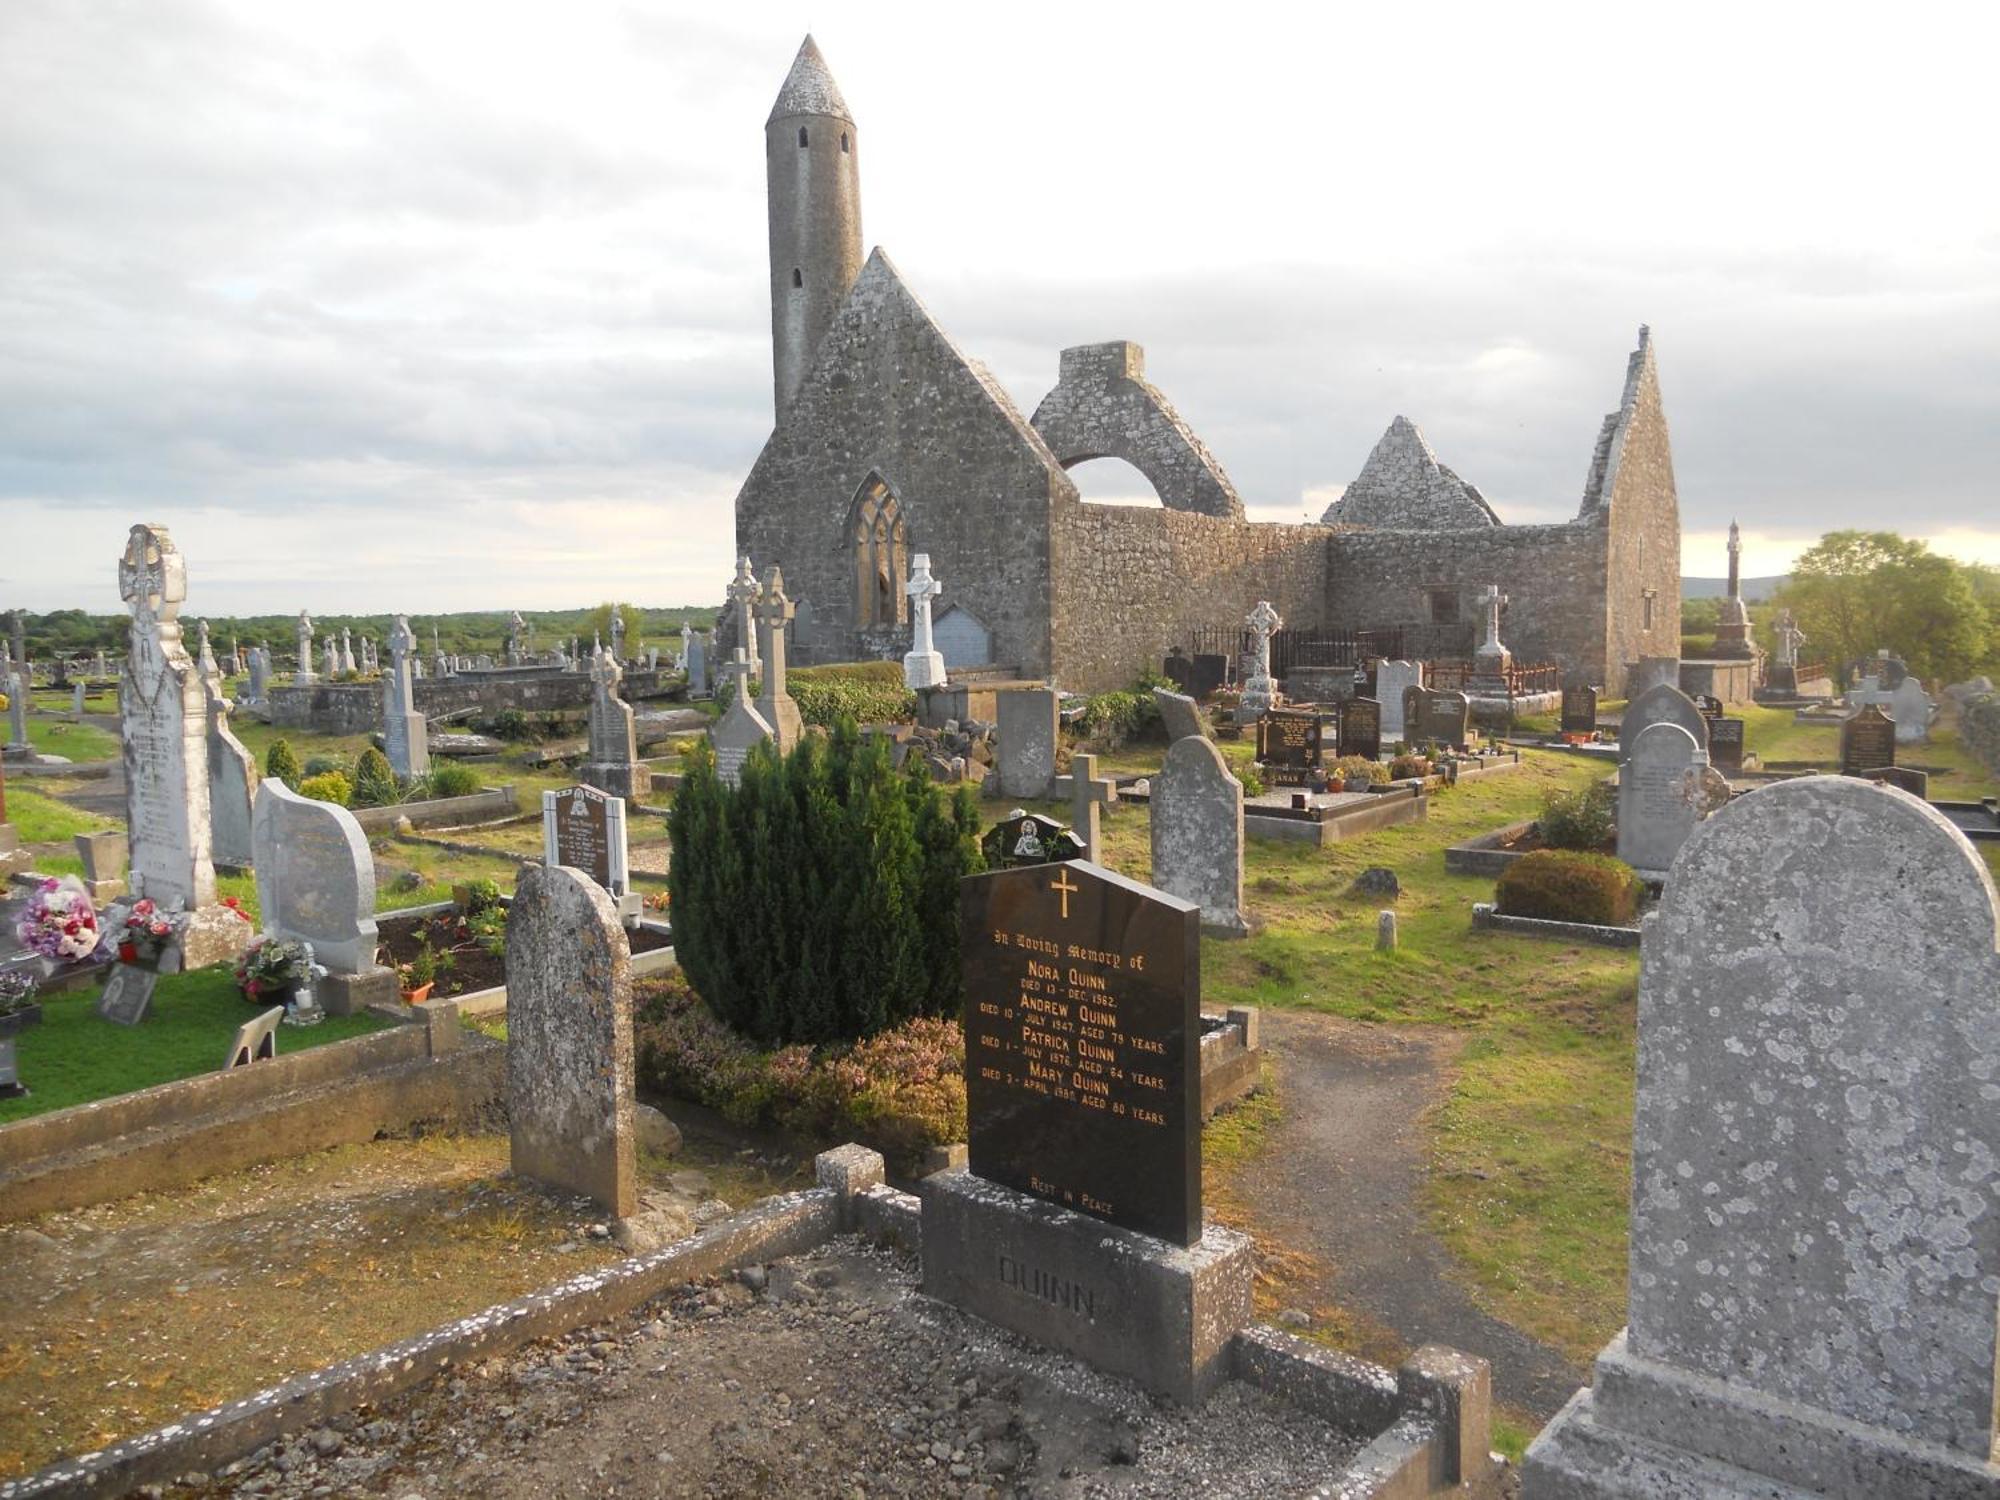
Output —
<point x="1132" y="1305"/>
<point x="350" y="994"/>
<point x="213" y="935"/>
<point x="1647" y="1429"/>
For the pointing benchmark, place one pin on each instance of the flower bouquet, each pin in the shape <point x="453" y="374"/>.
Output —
<point x="60" y="924"/>
<point x="146" y="932"/>
<point x="274" y="969"/>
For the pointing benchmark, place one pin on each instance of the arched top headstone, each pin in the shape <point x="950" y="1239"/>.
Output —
<point x="1816" y="1147"/>
<point x="1662" y="703"/>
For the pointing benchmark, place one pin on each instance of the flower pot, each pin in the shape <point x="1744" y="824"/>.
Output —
<point x="418" y="995"/>
<point x="128" y="953"/>
<point x="20" y="1020"/>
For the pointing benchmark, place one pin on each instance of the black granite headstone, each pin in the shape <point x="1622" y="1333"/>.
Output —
<point x="1358" y="729"/>
<point x="1436" y="718"/>
<point x="1867" y="741"/>
<point x="1211" y="671"/>
<point x="1725" y="744"/>
<point x="1579" y="710"/>
<point x="127" y="994"/>
<point x="1026" y="838"/>
<point x="1290" y="746"/>
<point x="1083" y="1043"/>
<point x="1178" y="669"/>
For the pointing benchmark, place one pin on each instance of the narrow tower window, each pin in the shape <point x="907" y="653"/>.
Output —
<point x="843" y="141"/>
<point x="798" y="277"/>
<point x="802" y="137"/>
<point x="881" y="556"/>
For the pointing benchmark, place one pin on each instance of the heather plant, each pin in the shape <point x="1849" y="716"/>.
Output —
<point x="817" y="901"/>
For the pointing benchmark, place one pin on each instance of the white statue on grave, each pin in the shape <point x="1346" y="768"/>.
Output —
<point x="1260" y="693"/>
<point x="923" y="667"/>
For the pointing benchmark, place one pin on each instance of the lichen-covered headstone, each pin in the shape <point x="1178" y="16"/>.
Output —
<point x="1197" y="818"/>
<point x="1815" y="1229"/>
<point x="232" y="770"/>
<point x="614" y="767"/>
<point x="569" y="1038"/>
<point x="1180" y="714"/>
<point x="1027" y="750"/>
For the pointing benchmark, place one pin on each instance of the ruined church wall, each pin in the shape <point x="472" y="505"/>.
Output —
<point x="1644" y="545"/>
<point x="1129" y="581"/>
<point x="1553" y="576"/>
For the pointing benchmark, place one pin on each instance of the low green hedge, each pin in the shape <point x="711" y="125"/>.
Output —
<point x="901" y="1091"/>
<point x="1559" y="885"/>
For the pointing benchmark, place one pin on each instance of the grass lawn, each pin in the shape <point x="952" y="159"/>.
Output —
<point x="77" y="742"/>
<point x="73" y="1057"/>
<point x="1530" y="1150"/>
<point x="41" y="819"/>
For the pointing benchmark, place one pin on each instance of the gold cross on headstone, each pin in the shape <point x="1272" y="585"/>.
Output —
<point x="1060" y="884"/>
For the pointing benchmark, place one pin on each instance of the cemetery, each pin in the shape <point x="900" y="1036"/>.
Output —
<point x="1122" y="1001"/>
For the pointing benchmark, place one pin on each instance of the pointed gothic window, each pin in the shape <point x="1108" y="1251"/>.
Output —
<point x="843" y="141"/>
<point x="802" y="137"/>
<point x="881" y="556"/>
<point x="798" y="277"/>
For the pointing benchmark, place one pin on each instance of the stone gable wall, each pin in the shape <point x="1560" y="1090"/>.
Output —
<point x="1131" y="581"/>
<point x="1645" y="538"/>
<point x="1553" y="577"/>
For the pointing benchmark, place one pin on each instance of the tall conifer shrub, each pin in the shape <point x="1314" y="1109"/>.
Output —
<point x="818" y="900"/>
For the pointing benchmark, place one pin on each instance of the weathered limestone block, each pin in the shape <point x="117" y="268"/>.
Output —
<point x="1197" y="824"/>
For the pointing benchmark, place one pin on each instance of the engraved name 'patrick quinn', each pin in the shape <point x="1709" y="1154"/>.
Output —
<point x="1070" y="1296"/>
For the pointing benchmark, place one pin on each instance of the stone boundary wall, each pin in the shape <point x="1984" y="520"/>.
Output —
<point x="1979" y="730"/>
<point x="356" y="707"/>
<point x="1553" y="577"/>
<point x="1127" y="582"/>
<point x="487" y="805"/>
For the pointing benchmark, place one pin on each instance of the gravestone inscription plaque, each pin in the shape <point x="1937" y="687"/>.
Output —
<point x="1358" y="728"/>
<point x="1579" y="710"/>
<point x="128" y="994"/>
<point x="1082" y="1037"/>
<point x="585" y="829"/>
<point x="1867" y="741"/>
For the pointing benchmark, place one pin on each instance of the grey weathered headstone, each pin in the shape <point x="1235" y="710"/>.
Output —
<point x="1662" y="794"/>
<point x="1385" y="931"/>
<point x="232" y="770"/>
<point x="569" y="1039"/>
<point x="316" y="881"/>
<point x="1260" y="690"/>
<point x="18" y="745"/>
<point x="1662" y="703"/>
<point x="103" y="857"/>
<point x="405" y="732"/>
<point x="741" y="728"/>
<point x="1391" y="678"/>
<point x="774" y="700"/>
<point x="613" y="766"/>
<point x="1180" y="714"/>
<point x="163" y="723"/>
<point x="1088" y="795"/>
<point x="1910" y="706"/>
<point x="1815" y="1225"/>
<point x="1026" y="760"/>
<point x="1197" y="818"/>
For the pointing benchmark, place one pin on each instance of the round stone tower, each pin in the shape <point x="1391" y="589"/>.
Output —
<point x="811" y="163"/>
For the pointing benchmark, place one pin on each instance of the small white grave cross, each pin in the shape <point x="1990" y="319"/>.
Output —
<point x="1088" y="795"/>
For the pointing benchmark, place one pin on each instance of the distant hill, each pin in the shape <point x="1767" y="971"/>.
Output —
<point x="1756" y="590"/>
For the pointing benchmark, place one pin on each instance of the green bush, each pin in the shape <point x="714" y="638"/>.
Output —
<point x="1582" y="819"/>
<point x="319" y="765"/>
<point x="281" y="763"/>
<point x="818" y="901"/>
<point x="511" y="724"/>
<point x="826" y="701"/>
<point x="330" y="786"/>
<point x="481" y="896"/>
<point x="450" y="780"/>
<point x="1115" y="719"/>
<point x="374" y="783"/>
<point x="1359" y="765"/>
<point x="900" y="1092"/>
<point x="1561" y="885"/>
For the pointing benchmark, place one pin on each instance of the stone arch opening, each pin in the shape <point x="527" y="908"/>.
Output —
<point x="1107" y="479"/>
<point x="879" y="539"/>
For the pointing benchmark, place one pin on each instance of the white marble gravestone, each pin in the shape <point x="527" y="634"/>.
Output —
<point x="316" y="881"/>
<point x="1391" y="678"/>
<point x="163" y="722"/>
<point x="569" y="1039"/>
<point x="1025" y="757"/>
<point x="923" y="664"/>
<point x="1815" y="1225"/>
<point x="405" y="732"/>
<point x="1197" y="825"/>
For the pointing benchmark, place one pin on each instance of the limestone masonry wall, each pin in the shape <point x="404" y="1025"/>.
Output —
<point x="1553" y="577"/>
<point x="1126" y="582"/>
<point x="356" y="707"/>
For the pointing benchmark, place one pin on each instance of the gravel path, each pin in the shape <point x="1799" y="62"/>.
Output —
<point x="1341" y="1182"/>
<point x="828" y="1376"/>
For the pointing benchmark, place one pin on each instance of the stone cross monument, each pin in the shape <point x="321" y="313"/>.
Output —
<point x="163" y="720"/>
<point x="613" y="767"/>
<point x="332" y="656"/>
<point x="1732" y="624"/>
<point x="1491" y="661"/>
<point x="517" y="630"/>
<point x="1260" y="693"/>
<point x="405" y="732"/>
<point x="617" y="636"/>
<point x="774" y="612"/>
<point x="742" y="594"/>
<point x="924" y="666"/>
<point x="347" y="649"/>
<point x="305" y="673"/>
<point x="1790" y="638"/>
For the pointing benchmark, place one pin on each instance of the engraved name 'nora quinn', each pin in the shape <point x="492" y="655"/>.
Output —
<point x="1060" y="1290"/>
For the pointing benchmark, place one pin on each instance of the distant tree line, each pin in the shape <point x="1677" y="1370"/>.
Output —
<point x="1854" y="592"/>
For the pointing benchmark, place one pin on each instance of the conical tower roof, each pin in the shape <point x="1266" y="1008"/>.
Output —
<point x="809" y="88"/>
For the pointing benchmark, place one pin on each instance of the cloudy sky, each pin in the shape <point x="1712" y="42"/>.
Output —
<point x="426" y="306"/>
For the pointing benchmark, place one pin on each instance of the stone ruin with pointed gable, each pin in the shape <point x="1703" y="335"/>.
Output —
<point x="890" y="440"/>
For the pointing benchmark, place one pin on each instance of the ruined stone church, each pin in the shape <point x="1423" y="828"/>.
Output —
<point x="889" y="441"/>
